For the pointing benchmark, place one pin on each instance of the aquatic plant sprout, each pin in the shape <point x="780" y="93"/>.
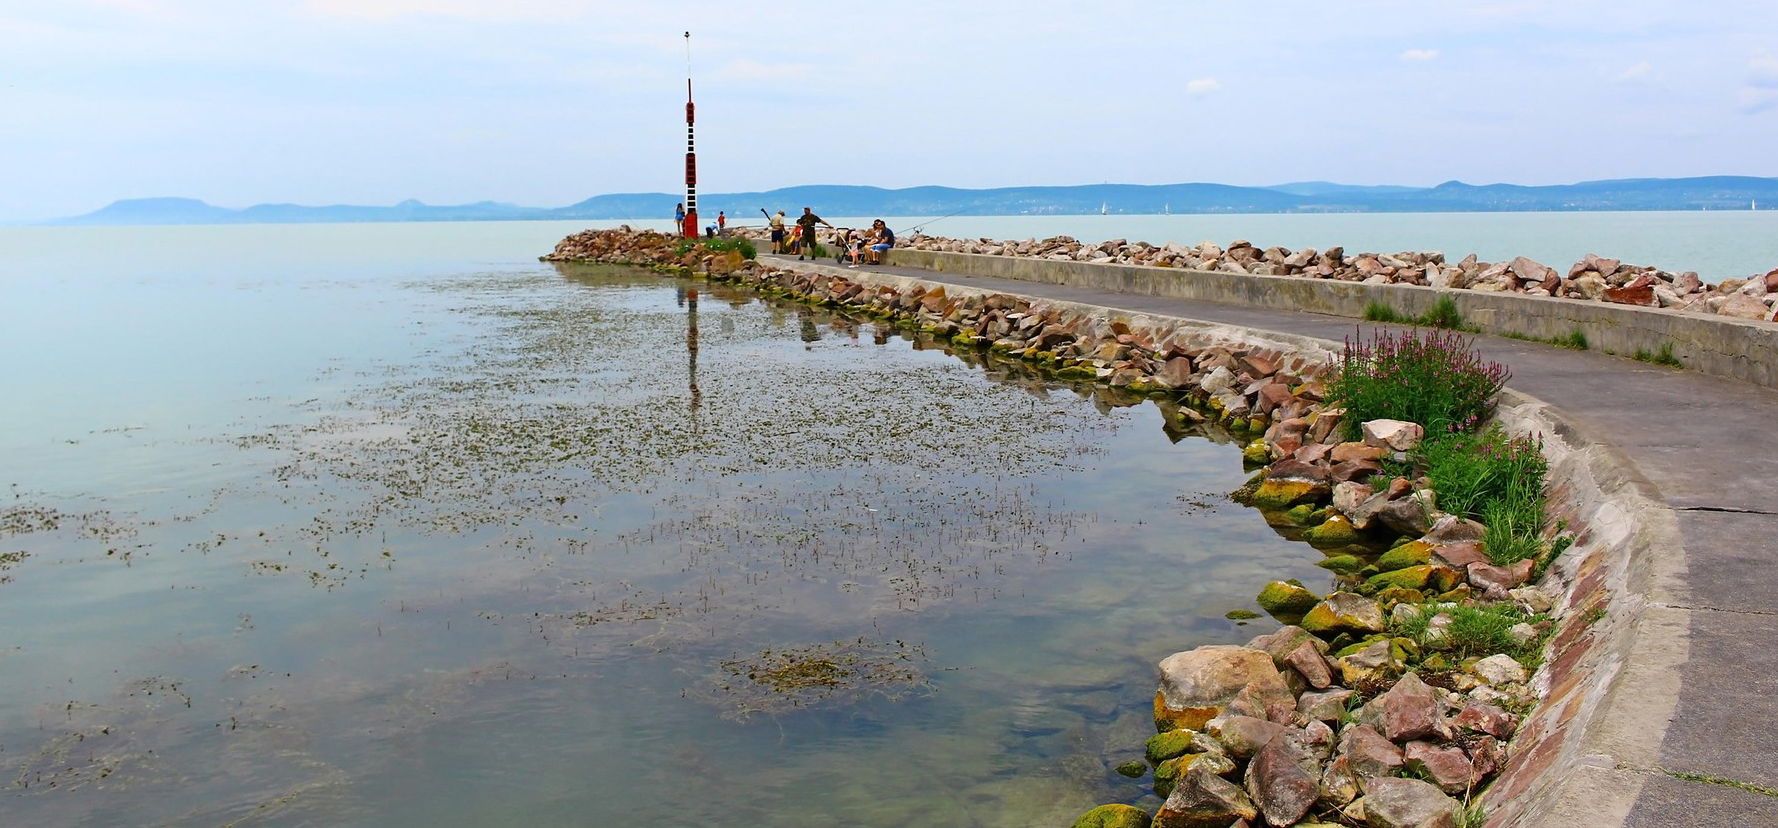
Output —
<point x="1432" y="377"/>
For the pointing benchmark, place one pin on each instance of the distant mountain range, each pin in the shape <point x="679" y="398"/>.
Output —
<point x="1706" y="193"/>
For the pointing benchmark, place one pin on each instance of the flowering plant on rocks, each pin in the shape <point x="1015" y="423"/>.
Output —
<point x="1433" y="377"/>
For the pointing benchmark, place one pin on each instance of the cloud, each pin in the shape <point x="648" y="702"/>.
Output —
<point x="1635" y="74"/>
<point x="1762" y="72"/>
<point x="1761" y="92"/>
<point x="1419" y="54"/>
<point x="494" y="10"/>
<point x="1199" y="87"/>
<point x="752" y="70"/>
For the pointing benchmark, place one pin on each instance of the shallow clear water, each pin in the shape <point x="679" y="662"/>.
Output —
<point x="391" y="524"/>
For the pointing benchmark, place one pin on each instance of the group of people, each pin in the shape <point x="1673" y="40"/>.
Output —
<point x="717" y="229"/>
<point x="799" y="237"/>
<point x="862" y="246"/>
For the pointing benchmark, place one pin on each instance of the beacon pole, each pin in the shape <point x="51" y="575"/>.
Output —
<point x="691" y="154"/>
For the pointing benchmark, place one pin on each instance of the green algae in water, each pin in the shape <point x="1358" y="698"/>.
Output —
<point x="841" y="672"/>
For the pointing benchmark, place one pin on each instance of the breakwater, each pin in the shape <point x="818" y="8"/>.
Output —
<point x="1324" y="715"/>
<point x="1593" y="278"/>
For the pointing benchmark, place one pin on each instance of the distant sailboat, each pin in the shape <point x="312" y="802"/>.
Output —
<point x="1166" y="209"/>
<point x="1104" y="208"/>
<point x="1752" y="204"/>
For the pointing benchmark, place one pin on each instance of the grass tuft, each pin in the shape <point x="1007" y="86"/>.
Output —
<point x="1662" y="357"/>
<point x="1444" y="315"/>
<point x="1381" y="312"/>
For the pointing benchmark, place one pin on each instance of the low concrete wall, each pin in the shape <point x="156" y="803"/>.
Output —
<point x="1715" y="345"/>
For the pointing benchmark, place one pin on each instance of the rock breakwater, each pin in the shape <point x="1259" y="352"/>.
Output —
<point x="1378" y="703"/>
<point x="1593" y="278"/>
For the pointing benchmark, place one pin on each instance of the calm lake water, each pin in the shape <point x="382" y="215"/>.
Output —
<point x="391" y="524"/>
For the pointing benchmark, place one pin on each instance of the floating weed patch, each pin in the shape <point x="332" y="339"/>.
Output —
<point x="777" y="681"/>
<point x="21" y="520"/>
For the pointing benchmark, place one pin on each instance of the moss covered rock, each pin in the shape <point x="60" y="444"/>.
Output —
<point x="1300" y="514"/>
<point x="1132" y="769"/>
<point x="1426" y="577"/>
<point x="1286" y="599"/>
<point x="1344" y="612"/>
<point x="1282" y="493"/>
<point x="1257" y="453"/>
<point x="1400" y="595"/>
<point x="1342" y="564"/>
<point x="1114" y="816"/>
<point x="1402" y="556"/>
<point x="1336" y="530"/>
<point x="1168" y="773"/>
<point x="1164" y="746"/>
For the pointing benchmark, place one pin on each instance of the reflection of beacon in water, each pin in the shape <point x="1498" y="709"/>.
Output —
<point x="690" y="296"/>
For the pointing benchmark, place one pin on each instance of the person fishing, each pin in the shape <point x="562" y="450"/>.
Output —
<point x="777" y="224"/>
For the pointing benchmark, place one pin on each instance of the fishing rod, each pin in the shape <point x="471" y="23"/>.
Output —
<point x="921" y="226"/>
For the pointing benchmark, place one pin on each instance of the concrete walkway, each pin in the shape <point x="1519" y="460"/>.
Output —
<point x="1709" y="447"/>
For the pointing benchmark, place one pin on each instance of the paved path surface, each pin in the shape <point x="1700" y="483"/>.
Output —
<point x="1710" y="446"/>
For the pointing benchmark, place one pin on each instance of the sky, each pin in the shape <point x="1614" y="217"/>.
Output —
<point x="547" y="102"/>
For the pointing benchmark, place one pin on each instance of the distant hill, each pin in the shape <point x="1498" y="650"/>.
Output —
<point x="1704" y="193"/>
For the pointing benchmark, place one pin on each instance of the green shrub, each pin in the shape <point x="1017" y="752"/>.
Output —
<point x="1443" y="314"/>
<point x="1483" y="630"/>
<point x="1471" y="471"/>
<point x="1432" y="378"/>
<point x="1380" y="312"/>
<point x="1512" y="531"/>
<point x="1475" y="630"/>
<point x="1576" y="339"/>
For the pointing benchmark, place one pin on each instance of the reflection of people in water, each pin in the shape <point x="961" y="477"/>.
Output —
<point x="806" y="322"/>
